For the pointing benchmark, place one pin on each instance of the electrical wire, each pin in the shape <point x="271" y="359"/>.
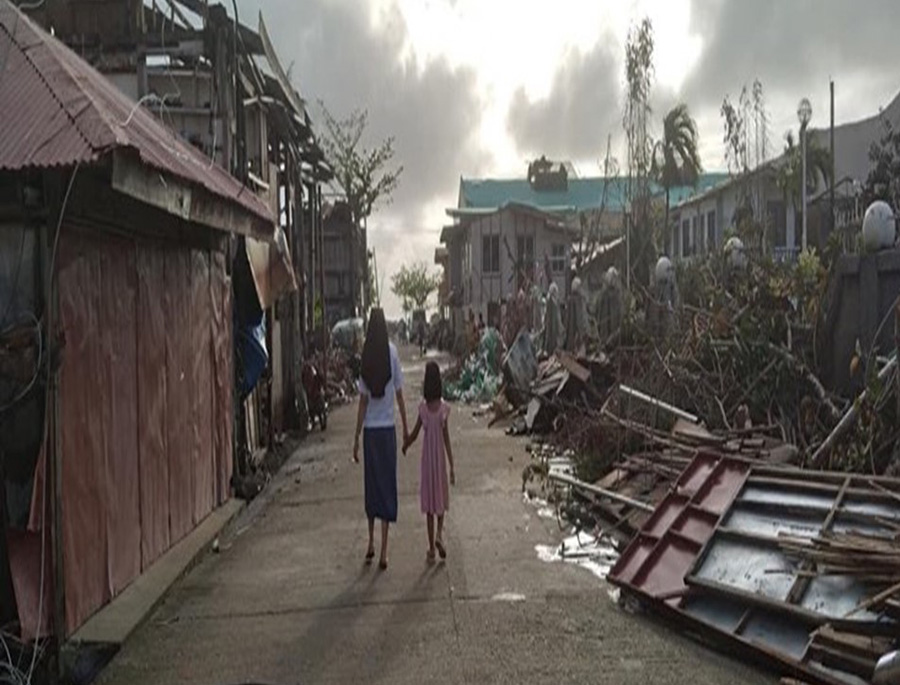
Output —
<point x="15" y="675"/>
<point x="10" y="674"/>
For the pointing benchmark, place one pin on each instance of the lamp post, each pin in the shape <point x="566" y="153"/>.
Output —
<point x="804" y="114"/>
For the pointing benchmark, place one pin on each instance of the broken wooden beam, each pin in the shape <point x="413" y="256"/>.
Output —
<point x="849" y="418"/>
<point x="665" y="406"/>
<point x="609" y="494"/>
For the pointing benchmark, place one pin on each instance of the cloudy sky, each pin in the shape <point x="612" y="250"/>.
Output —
<point x="479" y="87"/>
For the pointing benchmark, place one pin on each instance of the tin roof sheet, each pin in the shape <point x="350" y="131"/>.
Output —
<point x="57" y="110"/>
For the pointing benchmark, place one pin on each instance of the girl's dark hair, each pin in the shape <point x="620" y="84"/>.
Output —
<point x="376" y="356"/>
<point x="433" y="387"/>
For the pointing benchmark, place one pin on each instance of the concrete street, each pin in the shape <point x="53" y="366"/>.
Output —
<point x="288" y="600"/>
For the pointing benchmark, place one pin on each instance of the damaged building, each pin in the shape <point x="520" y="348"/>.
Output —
<point x="161" y="248"/>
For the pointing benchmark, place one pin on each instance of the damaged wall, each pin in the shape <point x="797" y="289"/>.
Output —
<point x="145" y="403"/>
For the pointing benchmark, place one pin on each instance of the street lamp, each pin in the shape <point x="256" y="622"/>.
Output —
<point x="804" y="114"/>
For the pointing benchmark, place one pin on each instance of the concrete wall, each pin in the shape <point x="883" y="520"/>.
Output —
<point x="860" y="299"/>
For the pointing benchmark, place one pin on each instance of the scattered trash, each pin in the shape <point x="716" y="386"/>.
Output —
<point x="582" y="549"/>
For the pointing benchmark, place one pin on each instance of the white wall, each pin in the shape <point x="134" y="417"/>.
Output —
<point x="483" y="288"/>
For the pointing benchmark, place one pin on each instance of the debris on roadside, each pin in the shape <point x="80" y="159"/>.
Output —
<point x="748" y="499"/>
<point x="478" y="379"/>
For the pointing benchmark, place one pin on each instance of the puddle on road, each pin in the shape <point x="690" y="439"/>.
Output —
<point x="544" y="510"/>
<point x="508" y="597"/>
<point x="582" y="549"/>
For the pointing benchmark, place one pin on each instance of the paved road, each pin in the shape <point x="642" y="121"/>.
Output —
<point x="288" y="599"/>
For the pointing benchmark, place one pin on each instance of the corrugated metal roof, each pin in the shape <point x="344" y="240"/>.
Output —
<point x="581" y="194"/>
<point x="57" y="110"/>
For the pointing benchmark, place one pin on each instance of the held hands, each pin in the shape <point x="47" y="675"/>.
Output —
<point x="356" y="450"/>
<point x="406" y="441"/>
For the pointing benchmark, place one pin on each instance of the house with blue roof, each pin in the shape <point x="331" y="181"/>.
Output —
<point x="510" y="234"/>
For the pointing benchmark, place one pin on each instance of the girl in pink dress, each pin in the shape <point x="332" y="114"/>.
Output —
<point x="434" y="490"/>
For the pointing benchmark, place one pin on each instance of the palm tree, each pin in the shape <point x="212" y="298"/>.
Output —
<point x="818" y="166"/>
<point x="676" y="161"/>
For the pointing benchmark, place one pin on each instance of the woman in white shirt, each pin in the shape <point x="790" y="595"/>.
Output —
<point x="380" y="384"/>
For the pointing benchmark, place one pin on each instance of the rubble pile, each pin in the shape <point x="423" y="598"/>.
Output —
<point x="341" y="370"/>
<point x="478" y="378"/>
<point x="692" y="439"/>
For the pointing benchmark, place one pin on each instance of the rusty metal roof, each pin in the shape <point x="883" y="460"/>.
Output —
<point x="57" y="110"/>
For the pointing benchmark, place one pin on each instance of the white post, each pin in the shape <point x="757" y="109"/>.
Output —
<point x="803" y="183"/>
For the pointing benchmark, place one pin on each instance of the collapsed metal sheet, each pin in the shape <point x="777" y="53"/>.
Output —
<point x="741" y="585"/>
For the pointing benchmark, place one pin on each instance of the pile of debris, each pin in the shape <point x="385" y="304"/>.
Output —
<point x="695" y="451"/>
<point x="340" y="369"/>
<point x="478" y="378"/>
<point x="720" y="530"/>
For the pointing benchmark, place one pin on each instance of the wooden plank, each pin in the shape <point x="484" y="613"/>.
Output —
<point x="798" y="589"/>
<point x="573" y="367"/>
<point x="842" y="661"/>
<point x="184" y="200"/>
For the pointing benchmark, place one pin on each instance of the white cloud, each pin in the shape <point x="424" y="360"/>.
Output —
<point x="468" y="86"/>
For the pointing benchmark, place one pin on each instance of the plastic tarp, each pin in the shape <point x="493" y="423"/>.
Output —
<point x="201" y="394"/>
<point x="480" y="379"/>
<point x="152" y="445"/>
<point x="179" y="299"/>
<point x="145" y="406"/>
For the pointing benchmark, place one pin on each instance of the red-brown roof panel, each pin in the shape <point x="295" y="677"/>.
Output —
<point x="57" y="110"/>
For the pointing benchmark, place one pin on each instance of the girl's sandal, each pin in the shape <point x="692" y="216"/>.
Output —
<point x="369" y="556"/>
<point x="429" y="556"/>
<point x="382" y="564"/>
<point x="441" y="549"/>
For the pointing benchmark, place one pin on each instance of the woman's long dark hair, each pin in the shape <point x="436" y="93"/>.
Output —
<point x="376" y="356"/>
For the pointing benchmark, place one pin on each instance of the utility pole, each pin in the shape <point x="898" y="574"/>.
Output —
<point x="831" y="191"/>
<point x="804" y="114"/>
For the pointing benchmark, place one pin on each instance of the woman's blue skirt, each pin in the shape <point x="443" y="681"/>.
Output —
<point x="380" y="461"/>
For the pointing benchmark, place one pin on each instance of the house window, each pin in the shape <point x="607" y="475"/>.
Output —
<point x="676" y="241"/>
<point x="525" y="259"/>
<point x="695" y="238"/>
<point x="525" y="250"/>
<point x="490" y="254"/>
<point x="685" y="238"/>
<point x="778" y="223"/>
<point x="558" y="258"/>
<point x="711" y="231"/>
<point x="701" y="235"/>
